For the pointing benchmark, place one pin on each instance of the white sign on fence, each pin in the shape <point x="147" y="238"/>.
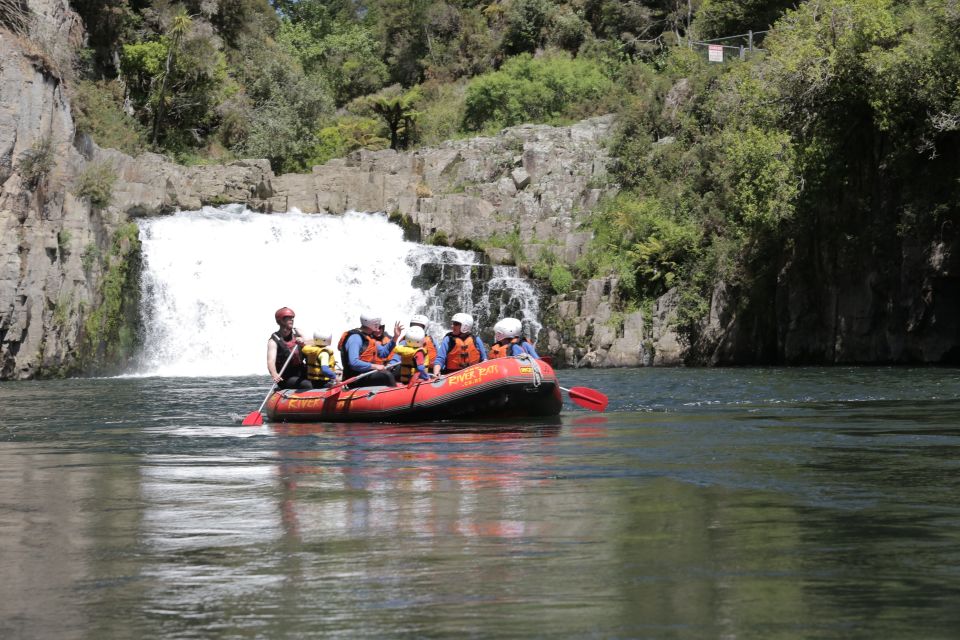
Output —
<point x="715" y="53"/>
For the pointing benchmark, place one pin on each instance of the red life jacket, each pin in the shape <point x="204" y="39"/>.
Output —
<point x="462" y="352"/>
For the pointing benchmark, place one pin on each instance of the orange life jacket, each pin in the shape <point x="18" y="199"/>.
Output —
<point x="431" y="348"/>
<point x="367" y="354"/>
<point x="502" y="349"/>
<point x="462" y="353"/>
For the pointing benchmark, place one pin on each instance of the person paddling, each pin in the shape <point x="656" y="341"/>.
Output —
<point x="509" y="340"/>
<point x="279" y="347"/>
<point x="459" y="348"/>
<point x="361" y="352"/>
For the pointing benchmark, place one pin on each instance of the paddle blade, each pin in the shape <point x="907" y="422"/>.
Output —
<point x="253" y="419"/>
<point x="588" y="398"/>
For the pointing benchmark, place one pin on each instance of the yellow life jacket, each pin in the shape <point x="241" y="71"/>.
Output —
<point x="316" y="360"/>
<point x="408" y="365"/>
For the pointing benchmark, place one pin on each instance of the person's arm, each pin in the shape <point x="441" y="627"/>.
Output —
<point x="384" y="350"/>
<point x="418" y="360"/>
<point x="441" y="356"/>
<point x="272" y="361"/>
<point x="516" y="350"/>
<point x="482" y="349"/>
<point x="326" y="365"/>
<point x="529" y="348"/>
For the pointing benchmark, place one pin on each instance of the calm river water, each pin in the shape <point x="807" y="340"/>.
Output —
<point x="706" y="503"/>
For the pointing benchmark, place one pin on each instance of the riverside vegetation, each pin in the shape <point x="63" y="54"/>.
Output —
<point x="844" y="127"/>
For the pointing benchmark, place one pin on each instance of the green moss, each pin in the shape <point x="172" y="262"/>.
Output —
<point x="411" y="230"/>
<point x="110" y="330"/>
<point x="439" y="239"/>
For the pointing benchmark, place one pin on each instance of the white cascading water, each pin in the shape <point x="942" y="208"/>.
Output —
<point x="212" y="280"/>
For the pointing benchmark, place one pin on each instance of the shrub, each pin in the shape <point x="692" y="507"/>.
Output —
<point x="91" y="253"/>
<point x="95" y="183"/>
<point x="349" y="133"/>
<point x="36" y="163"/>
<point x="527" y="89"/>
<point x="63" y="241"/>
<point x="98" y="112"/>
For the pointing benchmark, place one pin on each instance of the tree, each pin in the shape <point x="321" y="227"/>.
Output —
<point x="397" y="109"/>
<point x="178" y="28"/>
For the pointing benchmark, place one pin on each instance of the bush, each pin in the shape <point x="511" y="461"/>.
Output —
<point x="36" y="163"/>
<point x="347" y="134"/>
<point x="440" y="112"/>
<point x="551" y="88"/>
<point x="98" y="112"/>
<point x="95" y="183"/>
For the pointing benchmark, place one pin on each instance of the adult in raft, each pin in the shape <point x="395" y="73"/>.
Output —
<point x="361" y="352"/>
<point x="459" y="348"/>
<point x="279" y="347"/>
<point x="510" y="341"/>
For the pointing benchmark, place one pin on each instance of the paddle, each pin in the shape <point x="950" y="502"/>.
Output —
<point x="344" y="383"/>
<point x="255" y="418"/>
<point x="587" y="398"/>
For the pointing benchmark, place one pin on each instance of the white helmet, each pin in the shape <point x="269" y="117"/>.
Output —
<point x="507" y="328"/>
<point x="414" y="336"/>
<point x="370" y="320"/>
<point x="420" y="319"/>
<point x="465" y="320"/>
<point x="322" y="338"/>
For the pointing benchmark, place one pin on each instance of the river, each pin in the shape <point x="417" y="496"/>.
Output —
<point x="705" y="503"/>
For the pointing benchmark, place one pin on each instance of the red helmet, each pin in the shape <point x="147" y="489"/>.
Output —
<point x="283" y="313"/>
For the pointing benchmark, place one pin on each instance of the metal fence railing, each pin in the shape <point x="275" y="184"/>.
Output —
<point x="718" y="49"/>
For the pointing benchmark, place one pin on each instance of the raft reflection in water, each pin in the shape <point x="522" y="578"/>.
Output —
<point x="419" y="479"/>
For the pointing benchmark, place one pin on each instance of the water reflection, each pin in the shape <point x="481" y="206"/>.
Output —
<point x="426" y="480"/>
<point x="803" y="511"/>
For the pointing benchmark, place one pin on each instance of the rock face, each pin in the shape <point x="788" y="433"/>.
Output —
<point x="524" y="187"/>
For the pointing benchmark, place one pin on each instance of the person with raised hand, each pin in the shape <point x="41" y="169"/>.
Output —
<point x="361" y="353"/>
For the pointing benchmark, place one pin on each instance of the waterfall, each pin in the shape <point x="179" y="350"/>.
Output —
<point x="213" y="278"/>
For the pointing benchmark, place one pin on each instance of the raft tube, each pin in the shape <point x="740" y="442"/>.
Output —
<point x="518" y="387"/>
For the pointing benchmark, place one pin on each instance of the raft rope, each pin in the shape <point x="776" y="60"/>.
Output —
<point x="537" y="374"/>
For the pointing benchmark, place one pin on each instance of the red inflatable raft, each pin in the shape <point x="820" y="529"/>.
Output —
<point x="501" y="388"/>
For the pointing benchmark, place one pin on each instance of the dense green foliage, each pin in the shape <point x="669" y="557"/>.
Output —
<point x="290" y="80"/>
